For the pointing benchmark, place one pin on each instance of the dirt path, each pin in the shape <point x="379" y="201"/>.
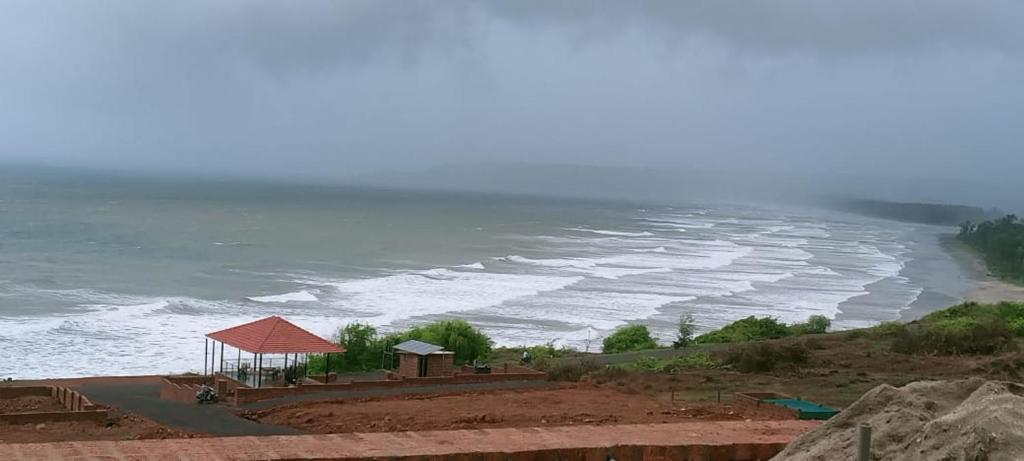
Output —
<point x="571" y="405"/>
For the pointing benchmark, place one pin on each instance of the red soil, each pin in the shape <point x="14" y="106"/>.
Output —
<point x="118" y="427"/>
<point x="493" y="409"/>
<point x="31" y="403"/>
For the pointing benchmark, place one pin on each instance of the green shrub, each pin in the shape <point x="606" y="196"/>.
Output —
<point x="363" y="351"/>
<point x="1013" y="315"/>
<point x="747" y="329"/>
<point x="572" y="370"/>
<point x="696" y="361"/>
<point x="685" y="331"/>
<point x="954" y="336"/>
<point x="815" y="324"/>
<point x="363" y="347"/>
<point x="458" y="336"/>
<point x="887" y="329"/>
<point x="627" y="338"/>
<point x="762" y="356"/>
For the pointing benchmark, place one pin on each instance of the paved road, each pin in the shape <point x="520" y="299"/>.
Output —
<point x="437" y="389"/>
<point x="144" y="399"/>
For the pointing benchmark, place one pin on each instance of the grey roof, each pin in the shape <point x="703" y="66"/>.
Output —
<point x="418" y="347"/>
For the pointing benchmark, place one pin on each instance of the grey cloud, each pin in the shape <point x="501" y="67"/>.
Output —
<point x="880" y="88"/>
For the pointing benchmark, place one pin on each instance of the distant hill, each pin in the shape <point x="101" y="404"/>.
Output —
<point x="926" y="213"/>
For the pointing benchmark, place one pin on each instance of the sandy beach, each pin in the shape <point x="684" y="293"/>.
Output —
<point x="988" y="288"/>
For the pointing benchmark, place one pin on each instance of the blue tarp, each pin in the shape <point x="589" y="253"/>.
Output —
<point x="807" y="410"/>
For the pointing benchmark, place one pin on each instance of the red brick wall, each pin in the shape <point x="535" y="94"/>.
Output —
<point x="79" y="407"/>
<point x="440" y="365"/>
<point x="245" y="395"/>
<point x="408" y="365"/>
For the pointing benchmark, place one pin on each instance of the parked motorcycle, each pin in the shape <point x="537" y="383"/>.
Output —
<point x="206" y="394"/>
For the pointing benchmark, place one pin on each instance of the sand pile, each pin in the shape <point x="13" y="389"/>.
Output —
<point x="931" y="420"/>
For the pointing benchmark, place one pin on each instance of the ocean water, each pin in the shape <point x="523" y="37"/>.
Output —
<point x="123" y="276"/>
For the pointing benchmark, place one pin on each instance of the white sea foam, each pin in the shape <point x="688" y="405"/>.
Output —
<point x="439" y="291"/>
<point x="660" y="249"/>
<point x="301" y="296"/>
<point x="476" y="265"/>
<point x="610" y="232"/>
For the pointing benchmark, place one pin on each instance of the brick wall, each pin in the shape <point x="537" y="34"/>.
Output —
<point x="249" y="395"/>
<point x="79" y="407"/>
<point x="408" y="365"/>
<point x="440" y="365"/>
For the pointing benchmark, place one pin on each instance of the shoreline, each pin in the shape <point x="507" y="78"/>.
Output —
<point x="987" y="287"/>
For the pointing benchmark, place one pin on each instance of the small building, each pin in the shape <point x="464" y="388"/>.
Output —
<point x="417" y="359"/>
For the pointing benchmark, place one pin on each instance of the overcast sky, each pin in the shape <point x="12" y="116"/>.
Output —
<point x="335" y="88"/>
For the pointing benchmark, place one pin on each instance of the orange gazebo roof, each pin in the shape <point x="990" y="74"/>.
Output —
<point x="274" y="335"/>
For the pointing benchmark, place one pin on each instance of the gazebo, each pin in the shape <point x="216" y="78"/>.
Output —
<point x="272" y="335"/>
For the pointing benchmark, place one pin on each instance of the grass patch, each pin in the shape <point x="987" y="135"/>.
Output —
<point x="756" y="328"/>
<point x="968" y="329"/>
<point x="696" y="361"/>
<point x="762" y="356"/>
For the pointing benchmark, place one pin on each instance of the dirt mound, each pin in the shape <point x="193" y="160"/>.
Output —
<point x="969" y="419"/>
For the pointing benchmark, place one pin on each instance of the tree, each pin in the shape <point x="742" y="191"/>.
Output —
<point x="686" y="331"/>
<point x="362" y="347"/>
<point x="626" y="338"/>
<point x="458" y="336"/>
<point x="815" y="324"/>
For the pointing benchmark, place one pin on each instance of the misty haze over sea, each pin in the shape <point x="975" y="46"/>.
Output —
<point x="128" y="274"/>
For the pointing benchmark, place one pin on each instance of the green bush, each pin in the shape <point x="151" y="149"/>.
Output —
<point x="363" y="351"/>
<point x="762" y="356"/>
<point x="695" y="361"/>
<point x="986" y="335"/>
<point x="572" y="370"/>
<point x="685" y="331"/>
<point x="363" y="347"/>
<point x="458" y="336"/>
<point x="747" y="329"/>
<point x="815" y="324"/>
<point x="627" y="338"/>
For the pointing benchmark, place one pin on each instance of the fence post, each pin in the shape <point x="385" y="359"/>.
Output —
<point x="864" y="442"/>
